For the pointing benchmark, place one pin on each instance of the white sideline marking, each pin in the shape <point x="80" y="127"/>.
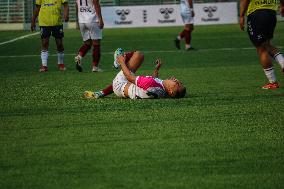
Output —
<point x="18" y="38"/>
<point x="146" y="52"/>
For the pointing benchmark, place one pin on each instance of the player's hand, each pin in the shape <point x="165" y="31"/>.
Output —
<point x="33" y="26"/>
<point x="192" y="13"/>
<point x="242" y="23"/>
<point x="66" y="18"/>
<point x="101" y="23"/>
<point x="158" y="63"/>
<point x="173" y="78"/>
<point x="282" y="10"/>
<point x="77" y="25"/>
<point x="120" y="59"/>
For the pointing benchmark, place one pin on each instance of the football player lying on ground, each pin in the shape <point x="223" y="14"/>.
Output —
<point x="127" y="85"/>
<point x="133" y="59"/>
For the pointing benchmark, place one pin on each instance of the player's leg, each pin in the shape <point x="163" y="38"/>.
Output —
<point x="45" y="35"/>
<point x="119" y="82"/>
<point x="179" y="38"/>
<point x="265" y="61"/>
<point x="96" y="55"/>
<point x="58" y="34"/>
<point x="273" y="51"/>
<point x="99" y="94"/>
<point x="96" y="36"/>
<point x="60" y="54"/>
<point x="187" y="19"/>
<point x="276" y="55"/>
<point x="87" y="45"/>
<point x="181" y="35"/>
<point x="134" y="60"/>
<point x="259" y="28"/>
<point x="188" y="30"/>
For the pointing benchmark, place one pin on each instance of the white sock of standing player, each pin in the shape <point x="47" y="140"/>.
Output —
<point x="60" y="58"/>
<point x="44" y="57"/>
<point x="279" y="58"/>
<point x="269" y="72"/>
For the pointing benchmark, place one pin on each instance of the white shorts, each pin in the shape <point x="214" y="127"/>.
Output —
<point x="186" y="15"/>
<point x="90" y="31"/>
<point x="134" y="92"/>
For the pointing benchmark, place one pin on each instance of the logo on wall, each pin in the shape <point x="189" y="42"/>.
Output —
<point x="122" y="13"/>
<point x="144" y="15"/>
<point x="209" y="11"/>
<point x="166" y="12"/>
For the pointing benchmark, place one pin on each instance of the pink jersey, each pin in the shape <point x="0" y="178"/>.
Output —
<point x="153" y="86"/>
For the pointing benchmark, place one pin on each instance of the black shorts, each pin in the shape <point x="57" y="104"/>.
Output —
<point x="261" y="25"/>
<point x="55" y="31"/>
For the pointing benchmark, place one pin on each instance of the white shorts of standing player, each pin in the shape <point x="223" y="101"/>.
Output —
<point x="134" y="92"/>
<point x="186" y="15"/>
<point x="90" y="31"/>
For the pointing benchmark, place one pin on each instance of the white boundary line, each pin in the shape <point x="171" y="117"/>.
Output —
<point x="145" y="52"/>
<point x="18" y="38"/>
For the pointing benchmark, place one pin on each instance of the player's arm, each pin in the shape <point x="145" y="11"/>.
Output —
<point x="77" y="17"/>
<point x="99" y="13"/>
<point x="243" y="9"/>
<point x="66" y="12"/>
<point x="131" y="78"/>
<point x="34" y="17"/>
<point x="157" y="67"/>
<point x="190" y="3"/>
<point x="282" y="7"/>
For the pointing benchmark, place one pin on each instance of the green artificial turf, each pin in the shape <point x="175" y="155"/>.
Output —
<point x="226" y="133"/>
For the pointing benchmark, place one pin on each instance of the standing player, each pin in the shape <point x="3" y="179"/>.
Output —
<point x="261" y="22"/>
<point x="91" y="23"/>
<point x="187" y="15"/>
<point x="50" y="23"/>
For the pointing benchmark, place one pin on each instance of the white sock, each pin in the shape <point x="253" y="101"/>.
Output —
<point x="60" y="57"/>
<point x="187" y="46"/>
<point x="269" y="72"/>
<point x="280" y="59"/>
<point x="80" y="57"/>
<point x="44" y="57"/>
<point x="178" y="37"/>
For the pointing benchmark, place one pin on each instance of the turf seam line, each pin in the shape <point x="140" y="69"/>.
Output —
<point x="18" y="38"/>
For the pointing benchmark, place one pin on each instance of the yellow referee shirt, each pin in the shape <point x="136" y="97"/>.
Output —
<point x="262" y="4"/>
<point x="50" y="12"/>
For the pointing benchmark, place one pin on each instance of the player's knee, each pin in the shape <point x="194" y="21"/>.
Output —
<point x="45" y="44"/>
<point x="60" y="48"/>
<point x="96" y="42"/>
<point x="139" y="55"/>
<point x="88" y="42"/>
<point x="260" y="49"/>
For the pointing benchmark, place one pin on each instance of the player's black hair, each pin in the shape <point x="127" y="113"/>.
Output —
<point x="181" y="93"/>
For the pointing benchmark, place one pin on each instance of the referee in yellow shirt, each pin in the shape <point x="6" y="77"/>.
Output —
<point x="50" y="23"/>
<point x="261" y="22"/>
